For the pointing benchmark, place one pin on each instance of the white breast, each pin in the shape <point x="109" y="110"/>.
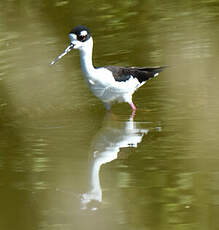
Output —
<point x="101" y="81"/>
<point x="103" y="85"/>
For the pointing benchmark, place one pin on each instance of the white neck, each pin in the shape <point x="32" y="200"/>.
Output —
<point x="86" y="58"/>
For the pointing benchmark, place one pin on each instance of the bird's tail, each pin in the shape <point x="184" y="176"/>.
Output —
<point x="155" y="70"/>
<point x="146" y="73"/>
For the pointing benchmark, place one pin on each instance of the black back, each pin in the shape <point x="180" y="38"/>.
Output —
<point x="141" y="73"/>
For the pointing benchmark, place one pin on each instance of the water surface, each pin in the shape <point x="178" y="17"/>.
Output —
<point x="67" y="164"/>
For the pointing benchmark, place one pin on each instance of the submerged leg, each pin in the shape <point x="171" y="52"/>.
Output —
<point x="133" y="115"/>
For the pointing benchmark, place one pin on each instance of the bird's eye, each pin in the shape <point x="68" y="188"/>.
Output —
<point x="82" y="37"/>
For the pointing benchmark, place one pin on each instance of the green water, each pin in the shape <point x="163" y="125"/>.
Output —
<point x="65" y="163"/>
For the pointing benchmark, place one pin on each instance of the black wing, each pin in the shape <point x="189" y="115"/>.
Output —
<point x="141" y="73"/>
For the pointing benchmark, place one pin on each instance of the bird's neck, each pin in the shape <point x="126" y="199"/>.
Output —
<point x="86" y="59"/>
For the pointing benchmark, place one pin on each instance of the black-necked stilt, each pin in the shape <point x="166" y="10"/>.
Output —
<point x="109" y="83"/>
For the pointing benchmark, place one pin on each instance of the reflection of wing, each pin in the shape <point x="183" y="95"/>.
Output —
<point x="105" y="148"/>
<point x="113" y="136"/>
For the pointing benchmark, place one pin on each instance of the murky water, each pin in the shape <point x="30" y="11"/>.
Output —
<point x="64" y="162"/>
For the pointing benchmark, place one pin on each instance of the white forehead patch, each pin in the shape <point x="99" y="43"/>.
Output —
<point x="83" y="33"/>
<point x="73" y="36"/>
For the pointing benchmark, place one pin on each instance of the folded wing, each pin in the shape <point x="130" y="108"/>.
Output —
<point x="141" y="73"/>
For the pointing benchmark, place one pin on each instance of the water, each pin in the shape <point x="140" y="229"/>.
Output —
<point x="64" y="162"/>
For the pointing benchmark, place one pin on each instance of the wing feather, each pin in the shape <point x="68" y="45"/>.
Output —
<point x="141" y="73"/>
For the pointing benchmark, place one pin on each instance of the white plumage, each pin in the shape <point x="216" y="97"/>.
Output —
<point x="110" y="83"/>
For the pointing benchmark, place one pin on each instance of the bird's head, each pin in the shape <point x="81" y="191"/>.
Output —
<point x="80" y="39"/>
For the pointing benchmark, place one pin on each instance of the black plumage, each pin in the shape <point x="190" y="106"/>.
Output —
<point x="106" y="89"/>
<point x="141" y="73"/>
<point x="77" y="31"/>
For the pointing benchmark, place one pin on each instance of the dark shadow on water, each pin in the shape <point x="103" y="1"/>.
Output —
<point x="106" y="146"/>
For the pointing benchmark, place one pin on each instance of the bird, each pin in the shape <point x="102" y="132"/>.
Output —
<point x="108" y="83"/>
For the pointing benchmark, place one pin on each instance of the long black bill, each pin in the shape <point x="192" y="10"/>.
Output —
<point x="67" y="50"/>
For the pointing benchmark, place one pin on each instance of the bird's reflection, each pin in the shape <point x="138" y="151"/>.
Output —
<point x="105" y="147"/>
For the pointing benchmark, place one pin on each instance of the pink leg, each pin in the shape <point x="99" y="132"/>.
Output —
<point x="133" y="114"/>
<point x="132" y="106"/>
